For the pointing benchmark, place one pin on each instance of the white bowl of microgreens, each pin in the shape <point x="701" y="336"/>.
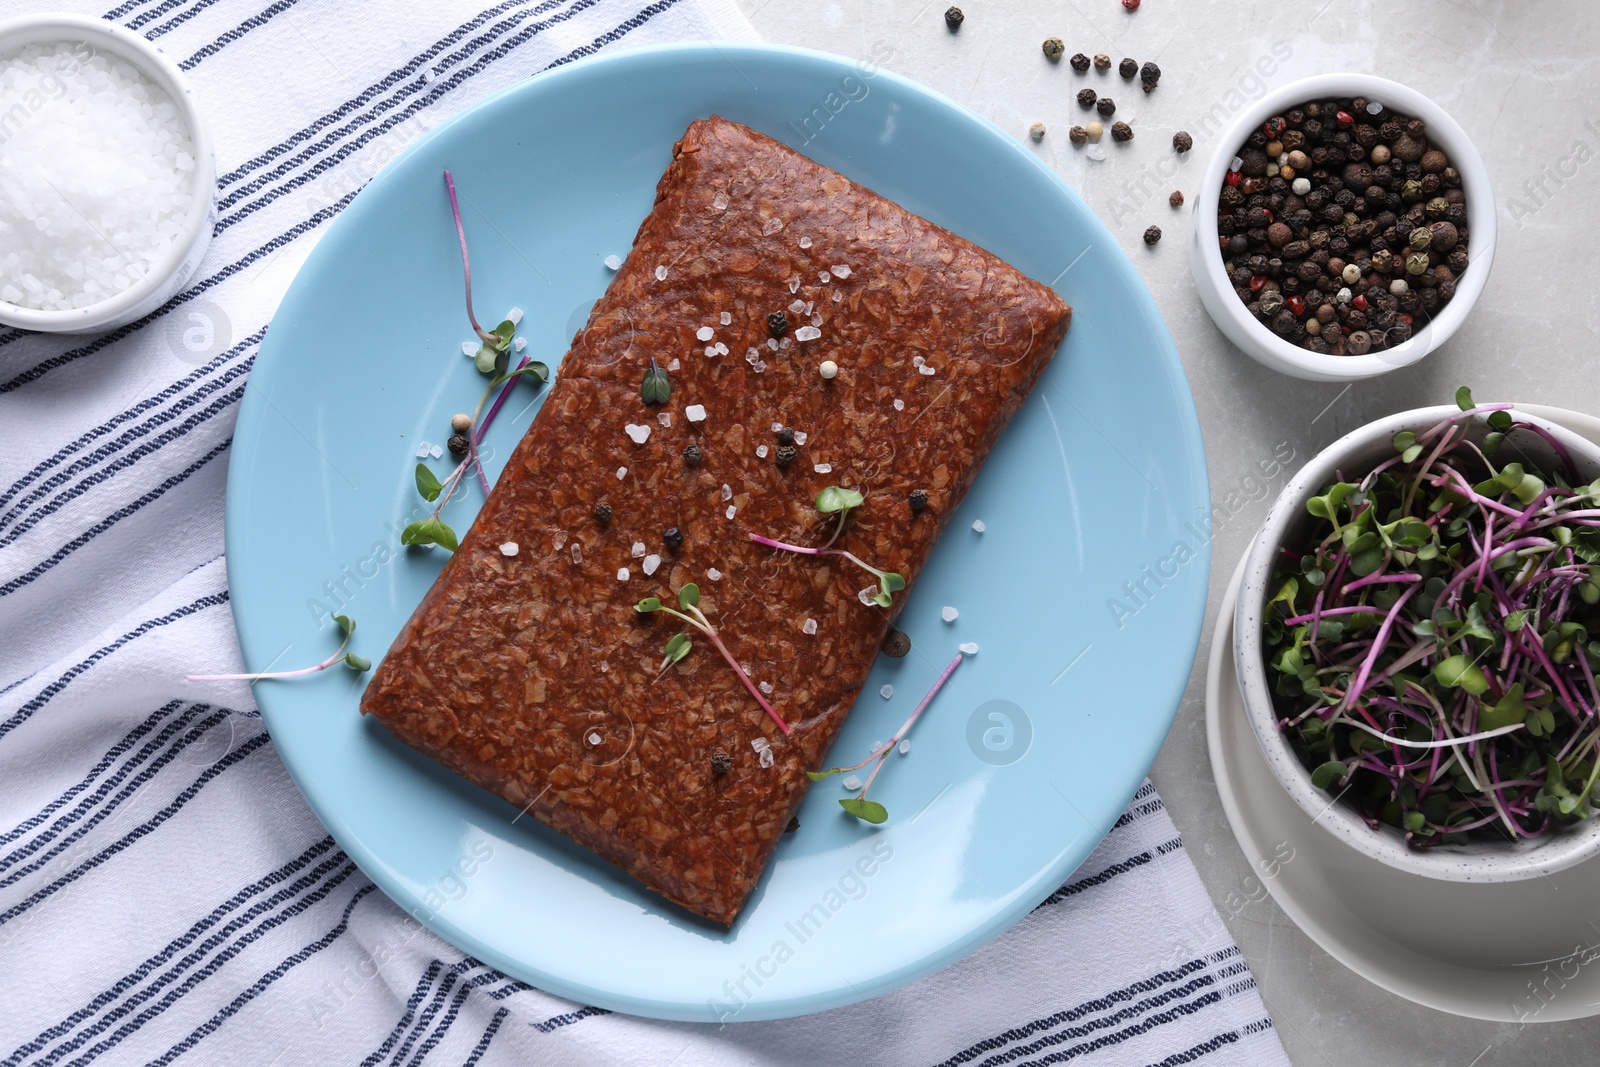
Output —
<point x="1418" y="638"/>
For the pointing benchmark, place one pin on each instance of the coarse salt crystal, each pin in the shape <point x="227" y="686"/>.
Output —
<point x="424" y="450"/>
<point x="514" y="316"/>
<point x="638" y="431"/>
<point x="886" y="692"/>
<point x="725" y="318"/>
<point x="838" y="295"/>
<point x="520" y="343"/>
<point x="651" y="562"/>
<point x="816" y="318"/>
<point x="711" y="350"/>
<point x="558" y="540"/>
<point x="604" y="666"/>
<point x="899" y="405"/>
<point x="613" y="262"/>
<point x="761" y="451"/>
<point x="753" y="356"/>
<point x="1373" y="107"/>
<point x="638" y="549"/>
<point x="978" y="526"/>
<point x="510" y="548"/>
<point x="576" y="550"/>
<point x="969" y="647"/>
<point x="594" y="737"/>
<point x="851" y="783"/>
<point x="840" y="270"/>
<point x="765" y="687"/>
<point x="799" y="437"/>
<point x="824" y="278"/>
<point x="772" y="343"/>
<point x="664" y="418"/>
<point x="918" y="360"/>
<point x="731" y="509"/>
<point x="674" y="365"/>
<point x="622" y="472"/>
<point x="435" y="451"/>
<point x="722" y="349"/>
<point x="622" y="574"/>
<point x="695" y="413"/>
<point x="805" y="242"/>
<point x="866" y="593"/>
<point x="772" y="226"/>
<point x="794" y="284"/>
<point x="809" y="627"/>
<point x="468" y="348"/>
<point x="727" y="491"/>
<point x="714" y="574"/>
<point x="720" y="201"/>
<point x="797" y="306"/>
<point x="1236" y="162"/>
<point x="927" y="370"/>
<point x="823" y="468"/>
<point x="785" y="341"/>
<point x="905" y="747"/>
<point x="807" y="333"/>
<point x="1095" y="152"/>
<point x="661" y="274"/>
<point x="948" y="614"/>
<point x="777" y="426"/>
<point x="705" y="333"/>
<point x="763" y="749"/>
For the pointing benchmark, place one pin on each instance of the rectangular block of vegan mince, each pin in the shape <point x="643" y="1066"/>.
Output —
<point x="534" y="677"/>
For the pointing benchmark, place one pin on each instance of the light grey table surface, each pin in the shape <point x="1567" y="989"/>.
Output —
<point x="1516" y="75"/>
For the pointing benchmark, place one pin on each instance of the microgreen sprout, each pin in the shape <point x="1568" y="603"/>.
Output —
<point x="1432" y="635"/>
<point x="356" y="663"/>
<point x="835" y="500"/>
<point x="494" y="351"/>
<point x="858" y="805"/>
<point x="656" y="387"/>
<point x="678" y="645"/>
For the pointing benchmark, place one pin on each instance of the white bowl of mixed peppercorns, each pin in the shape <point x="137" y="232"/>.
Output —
<point x="1344" y="228"/>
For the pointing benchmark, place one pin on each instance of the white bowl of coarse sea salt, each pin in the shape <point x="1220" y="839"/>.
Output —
<point x="107" y="181"/>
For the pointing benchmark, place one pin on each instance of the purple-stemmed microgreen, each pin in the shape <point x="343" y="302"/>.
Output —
<point x="678" y="645"/>
<point x="356" y="663"/>
<point x="836" y="500"/>
<point x="858" y="805"/>
<point x="493" y="356"/>
<point x="1432" y="636"/>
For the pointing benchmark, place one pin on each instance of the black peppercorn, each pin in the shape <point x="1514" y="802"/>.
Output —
<point x="1121" y="131"/>
<point x="778" y="323"/>
<point x="1054" y="49"/>
<point x="953" y="18"/>
<point x="1128" y="68"/>
<point x="794" y="824"/>
<point x="787" y="454"/>
<point x="458" y="444"/>
<point x="896" y="644"/>
<point x="721" y="762"/>
<point x="1182" y="142"/>
<point x="1080" y="62"/>
<point x="918" y="499"/>
<point x="602" y="511"/>
<point x="1152" y="235"/>
<point x="1106" y="106"/>
<point x="673" y="538"/>
<point x="691" y="454"/>
<point x="1176" y="199"/>
<point x="1149" y="74"/>
<point x="1078" y="135"/>
<point x="1087" y="97"/>
<point x="785" y="435"/>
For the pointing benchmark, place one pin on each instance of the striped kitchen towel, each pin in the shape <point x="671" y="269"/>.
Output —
<point x="164" y="891"/>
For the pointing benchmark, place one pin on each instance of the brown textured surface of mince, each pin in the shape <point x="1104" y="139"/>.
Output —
<point x="534" y="677"/>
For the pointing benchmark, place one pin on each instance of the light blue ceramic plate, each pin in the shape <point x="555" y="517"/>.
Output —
<point x="1097" y="483"/>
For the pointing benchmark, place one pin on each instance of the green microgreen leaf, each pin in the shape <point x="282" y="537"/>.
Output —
<point x="430" y="531"/>
<point x="1500" y="420"/>
<point x="1459" y="672"/>
<point x="647" y="605"/>
<point x="486" y="358"/>
<point x="1510" y="709"/>
<point x="656" y="387"/>
<point x="865" y="810"/>
<point x="347" y="625"/>
<point x="678" y="646"/>
<point x="1328" y="773"/>
<point x="429" y="486"/>
<point x="891" y="582"/>
<point x="357" y="663"/>
<point x="836" y="498"/>
<point x="1464" y="399"/>
<point x="688" y="596"/>
<point x="1404" y="440"/>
